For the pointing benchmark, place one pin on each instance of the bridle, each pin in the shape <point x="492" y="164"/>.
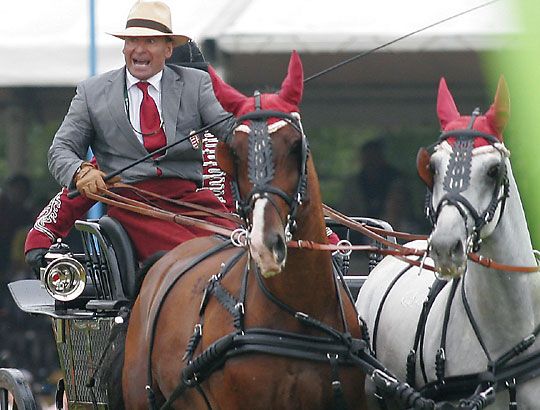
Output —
<point x="457" y="180"/>
<point x="261" y="168"/>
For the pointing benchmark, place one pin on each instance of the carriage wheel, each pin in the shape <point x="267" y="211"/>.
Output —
<point x="15" y="391"/>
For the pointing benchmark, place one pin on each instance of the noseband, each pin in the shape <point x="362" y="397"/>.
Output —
<point x="261" y="168"/>
<point x="457" y="180"/>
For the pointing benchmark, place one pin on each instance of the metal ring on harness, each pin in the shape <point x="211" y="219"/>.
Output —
<point x="344" y="243"/>
<point x="239" y="238"/>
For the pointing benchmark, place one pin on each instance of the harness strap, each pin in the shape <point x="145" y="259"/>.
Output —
<point x="297" y="345"/>
<point x="379" y="309"/>
<point x="301" y="316"/>
<point x="499" y="374"/>
<point x="473" y="323"/>
<point x="453" y="388"/>
<point x="512" y="396"/>
<point x="434" y="290"/>
<point x="228" y="301"/>
<point x="264" y="341"/>
<point x="339" y="398"/>
<point x="440" y="359"/>
<point x="190" y="374"/>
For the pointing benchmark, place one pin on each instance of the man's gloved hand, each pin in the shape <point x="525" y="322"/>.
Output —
<point x="89" y="179"/>
<point x="35" y="259"/>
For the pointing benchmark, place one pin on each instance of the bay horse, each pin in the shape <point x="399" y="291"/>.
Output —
<point x="475" y="325"/>
<point x="255" y="326"/>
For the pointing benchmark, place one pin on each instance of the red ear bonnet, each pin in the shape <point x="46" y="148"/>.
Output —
<point x="492" y="122"/>
<point x="286" y="100"/>
<point x="446" y="107"/>
<point x="230" y="99"/>
<point x="293" y="85"/>
<point x="499" y="112"/>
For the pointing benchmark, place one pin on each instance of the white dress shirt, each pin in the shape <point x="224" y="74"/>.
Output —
<point x="135" y="96"/>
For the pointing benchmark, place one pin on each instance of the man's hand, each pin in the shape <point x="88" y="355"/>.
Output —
<point x="89" y="179"/>
<point x="35" y="259"/>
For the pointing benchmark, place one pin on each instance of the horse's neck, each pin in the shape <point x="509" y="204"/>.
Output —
<point x="510" y="243"/>
<point x="506" y="304"/>
<point x="309" y="272"/>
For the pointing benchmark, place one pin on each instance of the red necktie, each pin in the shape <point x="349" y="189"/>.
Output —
<point x="153" y="135"/>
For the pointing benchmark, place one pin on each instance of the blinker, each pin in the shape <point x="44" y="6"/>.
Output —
<point x="423" y="167"/>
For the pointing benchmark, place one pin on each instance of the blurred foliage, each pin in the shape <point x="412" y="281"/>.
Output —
<point x="3" y="155"/>
<point x="520" y="67"/>
<point x="335" y="150"/>
<point x="336" y="154"/>
<point x="39" y="138"/>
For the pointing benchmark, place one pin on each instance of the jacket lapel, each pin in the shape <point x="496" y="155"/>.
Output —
<point x="116" y="104"/>
<point x="171" y="91"/>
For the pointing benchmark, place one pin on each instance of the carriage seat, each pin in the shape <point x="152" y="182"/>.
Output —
<point x="124" y="252"/>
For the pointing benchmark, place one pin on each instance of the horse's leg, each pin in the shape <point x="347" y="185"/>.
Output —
<point x="134" y="374"/>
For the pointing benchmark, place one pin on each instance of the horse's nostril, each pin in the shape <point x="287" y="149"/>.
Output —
<point x="458" y="248"/>
<point x="279" y="249"/>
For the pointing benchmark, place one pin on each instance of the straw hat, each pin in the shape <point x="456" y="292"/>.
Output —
<point x="150" y="19"/>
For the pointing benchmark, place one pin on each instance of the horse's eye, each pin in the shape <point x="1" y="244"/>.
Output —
<point x="233" y="153"/>
<point x="432" y="168"/>
<point x="493" y="171"/>
<point x="296" y="147"/>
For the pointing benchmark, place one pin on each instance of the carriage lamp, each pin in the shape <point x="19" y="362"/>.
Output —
<point x="64" y="278"/>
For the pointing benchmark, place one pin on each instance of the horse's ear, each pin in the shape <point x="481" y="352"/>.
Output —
<point x="446" y="107"/>
<point x="224" y="158"/>
<point x="499" y="112"/>
<point x="293" y="85"/>
<point x="423" y="168"/>
<point x="230" y="98"/>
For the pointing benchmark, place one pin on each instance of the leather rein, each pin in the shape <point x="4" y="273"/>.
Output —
<point x="189" y="218"/>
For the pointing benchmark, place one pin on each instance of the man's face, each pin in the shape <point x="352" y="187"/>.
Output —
<point x="145" y="56"/>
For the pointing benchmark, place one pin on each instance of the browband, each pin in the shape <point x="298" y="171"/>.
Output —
<point x="467" y="134"/>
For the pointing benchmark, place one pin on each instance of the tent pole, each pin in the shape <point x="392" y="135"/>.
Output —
<point x="97" y="210"/>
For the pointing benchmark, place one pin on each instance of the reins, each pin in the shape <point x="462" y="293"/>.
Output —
<point x="132" y="205"/>
<point x="188" y="218"/>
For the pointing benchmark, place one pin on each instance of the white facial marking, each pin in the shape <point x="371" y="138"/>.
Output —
<point x="256" y="235"/>
<point x="263" y="256"/>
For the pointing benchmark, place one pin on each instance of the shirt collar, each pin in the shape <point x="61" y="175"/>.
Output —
<point x="155" y="80"/>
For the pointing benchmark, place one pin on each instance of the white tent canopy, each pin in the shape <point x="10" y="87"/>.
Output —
<point x="350" y="26"/>
<point x="46" y="43"/>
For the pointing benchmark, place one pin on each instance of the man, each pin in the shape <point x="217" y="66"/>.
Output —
<point x="126" y="113"/>
<point x="59" y="215"/>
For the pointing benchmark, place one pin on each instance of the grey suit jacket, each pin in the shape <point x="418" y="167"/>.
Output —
<point x="97" y="118"/>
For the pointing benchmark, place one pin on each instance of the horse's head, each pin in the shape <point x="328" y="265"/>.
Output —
<point x="467" y="177"/>
<point x="267" y="158"/>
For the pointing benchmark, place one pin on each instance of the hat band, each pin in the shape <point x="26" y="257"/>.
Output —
<point x="151" y="24"/>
